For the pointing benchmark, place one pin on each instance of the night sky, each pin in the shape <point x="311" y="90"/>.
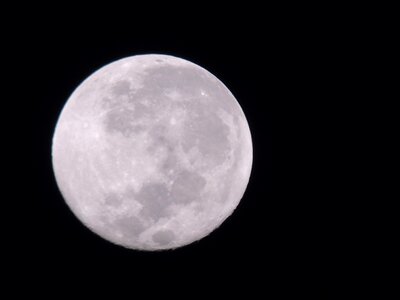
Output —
<point x="275" y="240"/>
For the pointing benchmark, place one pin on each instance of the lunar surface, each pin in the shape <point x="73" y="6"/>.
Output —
<point x="152" y="152"/>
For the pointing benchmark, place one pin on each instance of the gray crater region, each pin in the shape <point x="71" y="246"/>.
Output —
<point x="152" y="152"/>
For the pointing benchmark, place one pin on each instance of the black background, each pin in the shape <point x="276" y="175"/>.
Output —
<point x="276" y="240"/>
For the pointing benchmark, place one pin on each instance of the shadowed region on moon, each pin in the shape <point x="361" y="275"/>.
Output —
<point x="186" y="81"/>
<point x="187" y="187"/>
<point x="170" y="165"/>
<point x="163" y="237"/>
<point x="120" y="120"/>
<point x="113" y="200"/>
<point x="121" y="88"/>
<point x="142" y="112"/>
<point x="167" y="151"/>
<point x="198" y="134"/>
<point x="129" y="226"/>
<point x="155" y="199"/>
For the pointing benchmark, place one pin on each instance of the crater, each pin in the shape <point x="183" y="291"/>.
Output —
<point x="163" y="237"/>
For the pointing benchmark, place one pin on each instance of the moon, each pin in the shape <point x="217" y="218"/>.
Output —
<point x="152" y="152"/>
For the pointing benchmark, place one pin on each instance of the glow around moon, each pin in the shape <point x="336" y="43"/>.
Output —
<point x="152" y="152"/>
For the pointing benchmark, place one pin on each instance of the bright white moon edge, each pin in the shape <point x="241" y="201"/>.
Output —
<point x="152" y="152"/>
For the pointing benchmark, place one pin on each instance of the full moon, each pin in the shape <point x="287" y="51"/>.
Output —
<point x="152" y="152"/>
